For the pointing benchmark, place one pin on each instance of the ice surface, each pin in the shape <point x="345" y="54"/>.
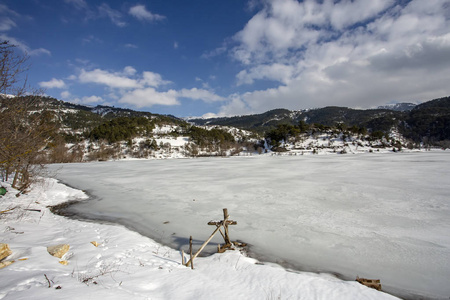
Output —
<point x="384" y="216"/>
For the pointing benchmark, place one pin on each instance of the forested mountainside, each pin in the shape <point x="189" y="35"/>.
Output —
<point x="83" y="133"/>
<point x="398" y="106"/>
<point x="427" y="122"/>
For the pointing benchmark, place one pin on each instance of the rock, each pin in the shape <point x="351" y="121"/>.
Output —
<point x="64" y="262"/>
<point x="4" y="251"/>
<point x="58" y="250"/>
<point x="95" y="243"/>
<point x="5" y="263"/>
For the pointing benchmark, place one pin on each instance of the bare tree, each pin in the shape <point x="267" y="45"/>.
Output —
<point x="12" y="65"/>
<point x="26" y="125"/>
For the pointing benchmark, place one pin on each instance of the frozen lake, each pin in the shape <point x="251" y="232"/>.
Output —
<point x="383" y="216"/>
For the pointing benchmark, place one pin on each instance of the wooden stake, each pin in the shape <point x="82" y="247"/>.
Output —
<point x="225" y="226"/>
<point x="222" y="234"/>
<point x="191" y="260"/>
<point x="183" y="262"/>
<point x="205" y="243"/>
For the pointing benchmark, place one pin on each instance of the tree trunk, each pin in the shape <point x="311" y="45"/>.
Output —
<point x="16" y="177"/>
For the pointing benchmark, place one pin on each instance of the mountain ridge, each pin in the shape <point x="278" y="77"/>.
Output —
<point x="434" y="113"/>
<point x="106" y="132"/>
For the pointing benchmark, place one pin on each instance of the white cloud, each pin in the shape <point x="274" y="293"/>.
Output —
<point x="205" y="84"/>
<point x="142" y="14"/>
<point x="175" y="45"/>
<point x="347" y="13"/>
<point x="6" y="18"/>
<point x="216" y="52"/>
<point x="78" y="4"/>
<point x="275" y="72"/>
<point x="140" y="90"/>
<point x="5" y="10"/>
<point x="112" y="80"/>
<point x="39" y="51"/>
<point x="115" y="16"/>
<point x="90" y="39"/>
<point x="152" y="79"/>
<point x="283" y="26"/>
<point x="349" y="53"/>
<point x="6" y="24"/>
<point x="210" y="115"/>
<point x="199" y="94"/>
<point x="23" y="47"/>
<point x="83" y="62"/>
<point x="148" y="97"/>
<point x="127" y="79"/>
<point x="131" y="46"/>
<point x="253" y="4"/>
<point x="53" y="84"/>
<point x="235" y="106"/>
<point x="129" y="71"/>
<point x="91" y="99"/>
<point x="94" y="99"/>
<point x="65" y="95"/>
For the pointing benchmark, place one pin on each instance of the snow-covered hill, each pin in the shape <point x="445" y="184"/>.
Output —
<point x="92" y="133"/>
<point x="166" y="143"/>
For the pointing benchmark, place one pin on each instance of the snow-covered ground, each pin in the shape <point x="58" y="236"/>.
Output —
<point x="372" y="215"/>
<point x="126" y="265"/>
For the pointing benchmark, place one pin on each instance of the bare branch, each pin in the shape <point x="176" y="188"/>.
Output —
<point x="27" y="126"/>
<point x="11" y="66"/>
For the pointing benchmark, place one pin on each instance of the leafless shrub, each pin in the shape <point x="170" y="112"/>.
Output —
<point x="93" y="277"/>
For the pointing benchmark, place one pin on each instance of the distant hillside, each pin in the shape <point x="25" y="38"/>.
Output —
<point x="89" y="133"/>
<point x="78" y="116"/>
<point x="329" y="116"/>
<point x="427" y="122"/>
<point x="257" y="122"/>
<point x="399" y="106"/>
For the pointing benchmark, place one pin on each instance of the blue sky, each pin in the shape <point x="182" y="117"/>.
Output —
<point x="233" y="57"/>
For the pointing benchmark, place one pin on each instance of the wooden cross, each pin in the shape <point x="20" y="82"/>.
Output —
<point x="225" y="222"/>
